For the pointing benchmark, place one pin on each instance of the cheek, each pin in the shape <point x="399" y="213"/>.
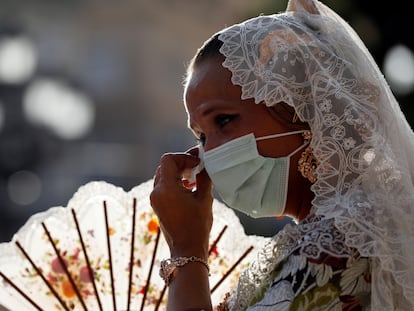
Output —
<point x="275" y="147"/>
<point x="269" y="148"/>
<point x="262" y="124"/>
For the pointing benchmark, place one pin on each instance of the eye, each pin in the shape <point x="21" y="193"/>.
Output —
<point x="223" y="119"/>
<point x="220" y="121"/>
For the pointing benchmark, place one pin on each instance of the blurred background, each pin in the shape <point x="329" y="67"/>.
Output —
<point x="92" y="90"/>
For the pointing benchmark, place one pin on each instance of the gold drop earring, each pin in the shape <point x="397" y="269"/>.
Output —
<point x="307" y="163"/>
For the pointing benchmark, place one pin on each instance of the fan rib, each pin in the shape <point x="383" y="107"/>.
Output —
<point x="10" y="282"/>
<point x="108" y="240"/>
<point x="39" y="272"/>
<point x="154" y="253"/>
<point x="160" y="298"/>
<point x="91" y="273"/>
<point x="213" y="245"/>
<point x="232" y="268"/>
<point x="65" y="268"/>
<point x="131" y="260"/>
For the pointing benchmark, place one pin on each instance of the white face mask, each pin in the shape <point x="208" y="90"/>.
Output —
<point x="247" y="181"/>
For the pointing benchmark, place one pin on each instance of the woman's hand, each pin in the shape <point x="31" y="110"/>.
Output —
<point x="186" y="218"/>
<point x="185" y="214"/>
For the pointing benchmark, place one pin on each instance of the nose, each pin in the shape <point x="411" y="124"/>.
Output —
<point x="213" y="142"/>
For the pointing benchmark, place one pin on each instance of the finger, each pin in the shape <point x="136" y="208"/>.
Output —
<point x="174" y="164"/>
<point x="157" y="176"/>
<point x="194" y="151"/>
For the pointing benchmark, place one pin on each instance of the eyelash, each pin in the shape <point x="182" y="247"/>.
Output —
<point x="221" y="121"/>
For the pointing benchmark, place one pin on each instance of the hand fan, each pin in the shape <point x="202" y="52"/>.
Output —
<point x="99" y="253"/>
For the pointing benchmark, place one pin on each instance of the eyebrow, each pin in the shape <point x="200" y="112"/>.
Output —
<point x="209" y="111"/>
<point x="217" y="104"/>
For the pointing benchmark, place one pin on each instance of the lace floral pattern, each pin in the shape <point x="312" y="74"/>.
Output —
<point x="314" y="249"/>
<point x="318" y="65"/>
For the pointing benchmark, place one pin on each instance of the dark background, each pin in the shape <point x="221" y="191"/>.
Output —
<point x="119" y="65"/>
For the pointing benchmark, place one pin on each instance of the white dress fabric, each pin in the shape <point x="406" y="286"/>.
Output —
<point x="317" y="64"/>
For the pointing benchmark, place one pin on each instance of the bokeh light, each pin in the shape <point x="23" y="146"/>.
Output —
<point x="24" y="187"/>
<point x="399" y="69"/>
<point x="67" y="112"/>
<point x="17" y="59"/>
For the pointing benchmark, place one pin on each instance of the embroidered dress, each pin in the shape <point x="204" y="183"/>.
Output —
<point x="302" y="277"/>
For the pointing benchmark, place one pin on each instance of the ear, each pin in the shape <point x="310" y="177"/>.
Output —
<point x="308" y="6"/>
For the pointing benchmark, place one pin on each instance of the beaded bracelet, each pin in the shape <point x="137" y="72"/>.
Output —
<point x="168" y="266"/>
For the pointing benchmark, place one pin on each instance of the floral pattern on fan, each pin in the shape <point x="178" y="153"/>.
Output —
<point x="99" y="253"/>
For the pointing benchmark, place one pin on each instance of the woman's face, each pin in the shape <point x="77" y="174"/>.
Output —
<point x="217" y="114"/>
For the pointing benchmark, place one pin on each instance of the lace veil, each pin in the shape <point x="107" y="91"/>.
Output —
<point x="311" y="59"/>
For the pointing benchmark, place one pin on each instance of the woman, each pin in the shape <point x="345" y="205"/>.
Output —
<point x="294" y="118"/>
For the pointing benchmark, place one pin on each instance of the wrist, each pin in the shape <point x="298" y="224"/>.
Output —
<point x="169" y="266"/>
<point x="200" y="252"/>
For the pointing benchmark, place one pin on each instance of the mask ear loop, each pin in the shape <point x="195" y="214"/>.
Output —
<point x="281" y="135"/>
<point x="287" y="134"/>
<point x="298" y="148"/>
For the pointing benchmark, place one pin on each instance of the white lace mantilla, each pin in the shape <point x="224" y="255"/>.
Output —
<point x="317" y="64"/>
